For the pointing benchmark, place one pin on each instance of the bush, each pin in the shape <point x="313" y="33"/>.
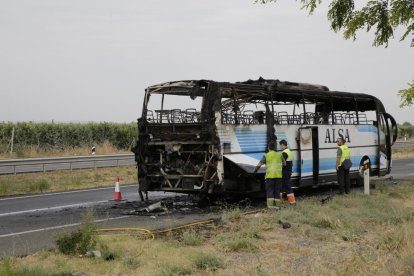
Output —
<point x="192" y="238"/>
<point x="239" y="244"/>
<point x="39" y="186"/>
<point x="405" y="130"/>
<point x="81" y="240"/>
<point x="207" y="261"/>
<point x="106" y="253"/>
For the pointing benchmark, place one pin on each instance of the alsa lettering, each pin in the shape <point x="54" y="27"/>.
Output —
<point x="333" y="134"/>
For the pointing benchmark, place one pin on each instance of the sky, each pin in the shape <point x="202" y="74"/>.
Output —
<point x="90" y="60"/>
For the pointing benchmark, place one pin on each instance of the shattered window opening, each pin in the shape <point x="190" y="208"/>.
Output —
<point x="164" y="108"/>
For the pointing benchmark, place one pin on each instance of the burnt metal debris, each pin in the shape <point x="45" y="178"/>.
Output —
<point x="174" y="205"/>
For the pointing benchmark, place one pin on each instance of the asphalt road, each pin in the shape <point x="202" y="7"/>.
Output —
<point x="403" y="168"/>
<point x="28" y="223"/>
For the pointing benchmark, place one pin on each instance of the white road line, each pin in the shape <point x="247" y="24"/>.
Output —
<point x="52" y="208"/>
<point x="68" y="192"/>
<point x="54" y="227"/>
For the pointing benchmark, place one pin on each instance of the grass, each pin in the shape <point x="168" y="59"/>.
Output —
<point x="32" y="151"/>
<point x="403" y="152"/>
<point x="349" y="235"/>
<point x="207" y="261"/>
<point x="10" y="268"/>
<point x="192" y="238"/>
<point x="173" y="270"/>
<point x="32" y="183"/>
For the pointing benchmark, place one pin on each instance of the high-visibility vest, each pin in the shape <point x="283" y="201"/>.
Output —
<point x="273" y="164"/>
<point x="346" y="154"/>
<point x="289" y="154"/>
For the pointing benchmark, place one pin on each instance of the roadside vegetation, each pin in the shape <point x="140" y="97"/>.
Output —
<point x="65" y="180"/>
<point x="344" y="235"/>
<point x="403" y="152"/>
<point x="406" y="131"/>
<point x="28" y="139"/>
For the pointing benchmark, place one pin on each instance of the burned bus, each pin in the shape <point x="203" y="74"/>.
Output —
<point x="203" y="136"/>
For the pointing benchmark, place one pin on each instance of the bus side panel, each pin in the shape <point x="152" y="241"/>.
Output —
<point x="361" y="139"/>
<point x="247" y="144"/>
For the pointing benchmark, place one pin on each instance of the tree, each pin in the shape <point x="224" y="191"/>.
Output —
<point x="407" y="95"/>
<point x="383" y="15"/>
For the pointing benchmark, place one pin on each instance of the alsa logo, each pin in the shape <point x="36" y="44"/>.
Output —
<point x="333" y="134"/>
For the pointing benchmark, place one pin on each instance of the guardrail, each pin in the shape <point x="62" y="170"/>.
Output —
<point x="15" y="166"/>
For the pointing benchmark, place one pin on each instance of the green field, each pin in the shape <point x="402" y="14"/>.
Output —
<point x="41" y="139"/>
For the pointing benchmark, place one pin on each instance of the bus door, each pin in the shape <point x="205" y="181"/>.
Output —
<point x="388" y="134"/>
<point x="308" y="156"/>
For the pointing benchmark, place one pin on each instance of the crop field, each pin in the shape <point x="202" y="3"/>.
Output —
<point x="46" y="139"/>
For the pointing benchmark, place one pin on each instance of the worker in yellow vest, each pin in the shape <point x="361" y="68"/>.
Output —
<point x="287" y="159"/>
<point x="343" y="157"/>
<point x="273" y="177"/>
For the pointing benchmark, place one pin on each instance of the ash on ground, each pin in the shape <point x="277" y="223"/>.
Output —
<point x="181" y="204"/>
<point x="175" y="205"/>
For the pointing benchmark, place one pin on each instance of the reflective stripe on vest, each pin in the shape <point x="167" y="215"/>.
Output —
<point x="346" y="154"/>
<point x="289" y="154"/>
<point x="273" y="164"/>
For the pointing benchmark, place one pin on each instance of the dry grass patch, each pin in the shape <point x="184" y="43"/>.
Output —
<point x="403" y="152"/>
<point x="349" y="235"/>
<point x="31" y="183"/>
<point x="33" y="151"/>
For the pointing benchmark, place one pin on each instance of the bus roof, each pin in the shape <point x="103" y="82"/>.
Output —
<point x="269" y="89"/>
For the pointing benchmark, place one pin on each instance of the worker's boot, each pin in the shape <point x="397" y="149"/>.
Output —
<point x="269" y="203"/>
<point x="291" y="198"/>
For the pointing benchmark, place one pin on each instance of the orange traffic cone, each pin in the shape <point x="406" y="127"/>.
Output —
<point x="117" y="194"/>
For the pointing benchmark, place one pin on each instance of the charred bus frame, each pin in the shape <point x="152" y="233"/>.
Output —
<point x="194" y="151"/>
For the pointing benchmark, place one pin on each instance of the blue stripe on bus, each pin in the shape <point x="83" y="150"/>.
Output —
<point x="324" y="163"/>
<point x="252" y="140"/>
<point x="367" y="128"/>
